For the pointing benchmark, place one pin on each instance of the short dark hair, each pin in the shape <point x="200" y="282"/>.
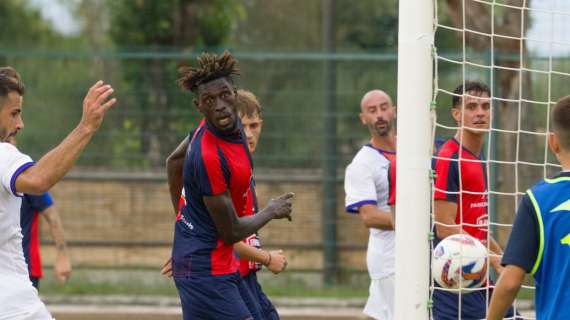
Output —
<point x="10" y="80"/>
<point x="470" y="85"/>
<point x="210" y="67"/>
<point x="247" y="103"/>
<point x="561" y="122"/>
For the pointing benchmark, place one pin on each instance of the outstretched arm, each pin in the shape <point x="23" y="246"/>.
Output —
<point x="62" y="266"/>
<point x="40" y="177"/>
<point x="232" y="228"/>
<point x="174" y="169"/>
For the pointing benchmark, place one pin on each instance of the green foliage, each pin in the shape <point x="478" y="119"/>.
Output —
<point x="291" y="89"/>
<point x="367" y="24"/>
<point x="163" y="25"/>
<point x="22" y="26"/>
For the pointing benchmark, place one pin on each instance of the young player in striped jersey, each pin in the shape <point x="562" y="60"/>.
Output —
<point x="540" y="240"/>
<point x="251" y="255"/>
<point x="370" y="192"/>
<point x="461" y="193"/>
<point x="217" y="181"/>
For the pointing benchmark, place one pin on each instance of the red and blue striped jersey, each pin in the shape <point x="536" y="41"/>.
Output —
<point x="461" y="177"/>
<point x="214" y="164"/>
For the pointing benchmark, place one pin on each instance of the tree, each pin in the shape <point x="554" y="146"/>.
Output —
<point x="161" y="27"/>
<point x="23" y="26"/>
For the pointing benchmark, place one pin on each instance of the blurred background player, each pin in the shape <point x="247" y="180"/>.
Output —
<point x="461" y="193"/>
<point x="32" y="207"/>
<point x="218" y="185"/>
<point x="251" y="256"/>
<point x="19" y="175"/>
<point x="540" y="239"/>
<point x="370" y="191"/>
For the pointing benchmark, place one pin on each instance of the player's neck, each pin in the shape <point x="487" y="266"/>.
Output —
<point x="470" y="141"/>
<point x="564" y="159"/>
<point x="387" y="142"/>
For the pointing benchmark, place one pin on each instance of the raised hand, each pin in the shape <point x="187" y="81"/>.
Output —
<point x="95" y="104"/>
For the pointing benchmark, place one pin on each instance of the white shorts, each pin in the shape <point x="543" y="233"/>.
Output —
<point x="19" y="300"/>
<point x="380" y="304"/>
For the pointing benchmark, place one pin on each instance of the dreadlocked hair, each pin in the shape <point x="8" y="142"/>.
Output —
<point x="210" y="67"/>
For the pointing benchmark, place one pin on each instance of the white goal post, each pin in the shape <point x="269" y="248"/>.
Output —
<point x="414" y="145"/>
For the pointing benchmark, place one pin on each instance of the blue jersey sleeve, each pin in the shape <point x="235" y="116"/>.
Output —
<point x="522" y="248"/>
<point x="40" y="203"/>
<point x="447" y="180"/>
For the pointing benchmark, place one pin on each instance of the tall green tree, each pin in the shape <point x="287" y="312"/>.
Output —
<point x="161" y="27"/>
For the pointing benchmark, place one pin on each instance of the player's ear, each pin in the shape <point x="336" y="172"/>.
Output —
<point x="361" y="116"/>
<point x="553" y="143"/>
<point x="195" y="101"/>
<point x="456" y="114"/>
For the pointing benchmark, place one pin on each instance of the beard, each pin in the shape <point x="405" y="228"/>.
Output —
<point x="381" y="131"/>
<point x="3" y="135"/>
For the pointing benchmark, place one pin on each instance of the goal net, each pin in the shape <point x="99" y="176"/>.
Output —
<point x="521" y="50"/>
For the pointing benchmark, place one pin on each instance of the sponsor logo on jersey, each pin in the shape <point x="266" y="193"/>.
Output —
<point x="483" y="222"/>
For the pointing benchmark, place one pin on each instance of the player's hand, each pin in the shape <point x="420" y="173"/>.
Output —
<point x="62" y="268"/>
<point x="495" y="262"/>
<point x="167" y="268"/>
<point x="278" y="261"/>
<point x="95" y="104"/>
<point x="282" y="206"/>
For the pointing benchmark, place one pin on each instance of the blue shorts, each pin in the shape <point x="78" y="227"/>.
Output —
<point x="473" y="305"/>
<point x="260" y="301"/>
<point x="212" y="297"/>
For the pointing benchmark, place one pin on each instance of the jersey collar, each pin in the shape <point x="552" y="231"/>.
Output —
<point x="481" y="154"/>
<point x="236" y="137"/>
<point x="379" y="149"/>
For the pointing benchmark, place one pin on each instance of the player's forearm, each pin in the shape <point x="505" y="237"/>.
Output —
<point x="445" y="215"/>
<point x="174" y="171"/>
<point x="505" y="291"/>
<point x="500" y="302"/>
<point x="494" y="246"/>
<point x="175" y="182"/>
<point x="250" y="253"/>
<point x="372" y="217"/>
<point x="381" y="220"/>
<point x="39" y="178"/>
<point x="246" y="226"/>
<point x="230" y="227"/>
<point x="56" y="229"/>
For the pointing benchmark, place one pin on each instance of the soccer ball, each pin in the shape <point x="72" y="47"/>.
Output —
<point x="459" y="262"/>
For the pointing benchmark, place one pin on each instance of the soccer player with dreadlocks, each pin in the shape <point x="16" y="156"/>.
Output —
<point x="218" y="183"/>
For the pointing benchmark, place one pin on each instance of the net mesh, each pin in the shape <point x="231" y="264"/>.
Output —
<point x="521" y="51"/>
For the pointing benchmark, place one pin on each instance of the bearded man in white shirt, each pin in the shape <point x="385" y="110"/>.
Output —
<point x="19" y="174"/>
<point x="370" y="186"/>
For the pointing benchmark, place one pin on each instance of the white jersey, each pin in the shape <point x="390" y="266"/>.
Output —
<point x="18" y="298"/>
<point x="367" y="182"/>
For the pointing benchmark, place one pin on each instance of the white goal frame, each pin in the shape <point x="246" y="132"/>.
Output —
<point x="414" y="145"/>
